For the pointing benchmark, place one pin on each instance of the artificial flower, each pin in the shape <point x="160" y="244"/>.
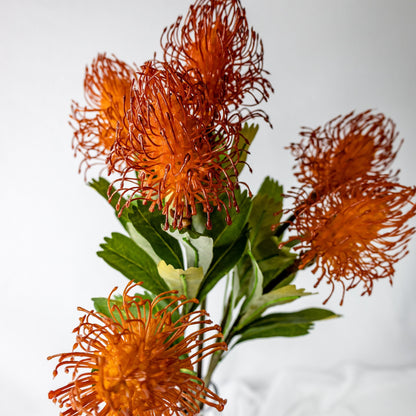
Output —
<point x="107" y="89"/>
<point x="139" y="361"/>
<point x="215" y="45"/>
<point x="348" y="149"/>
<point x="356" y="235"/>
<point x="177" y="154"/>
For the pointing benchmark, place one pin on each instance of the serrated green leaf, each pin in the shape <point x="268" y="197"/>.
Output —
<point x="223" y="234"/>
<point x="279" y="296"/>
<point x="272" y="189"/>
<point x="266" y="204"/>
<point x="284" y="324"/>
<point x="224" y="259"/>
<point x="149" y="225"/>
<point x="121" y="253"/>
<point x="101" y="185"/>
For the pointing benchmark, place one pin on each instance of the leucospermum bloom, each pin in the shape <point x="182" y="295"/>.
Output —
<point x="348" y="149"/>
<point x="138" y="362"/>
<point x="356" y="235"/>
<point x="178" y="154"/>
<point x="107" y="87"/>
<point x="215" y="45"/>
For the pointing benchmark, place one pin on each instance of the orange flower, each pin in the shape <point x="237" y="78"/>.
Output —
<point x="178" y="153"/>
<point x="214" y="42"/>
<point x="345" y="150"/>
<point x="107" y="87"/>
<point x="356" y="235"/>
<point x="139" y="362"/>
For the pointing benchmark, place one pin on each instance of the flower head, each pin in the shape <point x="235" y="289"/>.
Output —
<point x="138" y="362"/>
<point x="355" y="236"/>
<point x="356" y="147"/>
<point x="215" y="43"/>
<point x="107" y="87"/>
<point x="178" y="153"/>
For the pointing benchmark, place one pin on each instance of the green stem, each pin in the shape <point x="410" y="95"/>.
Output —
<point x="201" y="339"/>
<point x="215" y="360"/>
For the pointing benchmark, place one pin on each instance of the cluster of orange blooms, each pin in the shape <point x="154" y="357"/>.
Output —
<point x="351" y="213"/>
<point x="170" y="129"/>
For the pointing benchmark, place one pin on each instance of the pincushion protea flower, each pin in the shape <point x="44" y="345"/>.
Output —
<point x="178" y="153"/>
<point x="215" y="43"/>
<point x="107" y="87"/>
<point x="356" y="235"/>
<point x="140" y="361"/>
<point x="355" y="147"/>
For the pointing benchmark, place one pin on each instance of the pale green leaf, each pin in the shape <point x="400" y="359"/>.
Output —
<point x="279" y="296"/>
<point x="186" y="282"/>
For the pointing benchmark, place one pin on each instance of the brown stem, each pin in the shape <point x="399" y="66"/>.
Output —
<point x="284" y="226"/>
<point x="311" y="199"/>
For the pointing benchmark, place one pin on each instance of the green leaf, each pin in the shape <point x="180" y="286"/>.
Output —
<point x="121" y="253"/>
<point x="225" y="258"/>
<point x="149" y="225"/>
<point x="142" y="242"/>
<point x="272" y="189"/>
<point x="266" y="204"/>
<point x="101" y="306"/>
<point x="271" y="259"/>
<point x="101" y="185"/>
<point x="284" y="324"/>
<point x="224" y="234"/>
<point x="247" y="135"/>
<point x="279" y="296"/>
<point x="255" y="283"/>
<point x="198" y="249"/>
<point x="232" y="301"/>
<point x="185" y="282"/>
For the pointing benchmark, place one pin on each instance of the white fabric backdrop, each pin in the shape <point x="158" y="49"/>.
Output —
<point x="326" y="57"/>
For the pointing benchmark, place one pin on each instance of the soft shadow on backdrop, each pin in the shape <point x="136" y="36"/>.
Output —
<point x="325" y="57"/>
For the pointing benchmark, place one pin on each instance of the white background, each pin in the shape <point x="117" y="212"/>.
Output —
<point x="326" y="57"/>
